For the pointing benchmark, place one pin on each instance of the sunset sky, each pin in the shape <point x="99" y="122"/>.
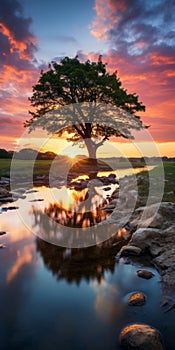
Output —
<point x="135" y="37"/>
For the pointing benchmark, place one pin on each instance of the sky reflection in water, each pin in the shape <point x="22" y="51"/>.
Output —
<point x="55" y="297"/>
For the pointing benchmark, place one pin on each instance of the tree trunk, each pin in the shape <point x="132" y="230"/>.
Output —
<point x="93" y="165"/>
<point x="91" y="148"/>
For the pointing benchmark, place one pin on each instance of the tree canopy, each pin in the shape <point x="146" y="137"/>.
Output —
<point x="84" y="90"/>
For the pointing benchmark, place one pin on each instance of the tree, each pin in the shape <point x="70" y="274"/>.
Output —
<point x="85" y="89"/>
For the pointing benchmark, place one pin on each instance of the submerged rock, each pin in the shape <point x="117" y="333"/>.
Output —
<point x="141" y="337"/>
<point x="145" y="274"/>
<point x="137" y="299"/>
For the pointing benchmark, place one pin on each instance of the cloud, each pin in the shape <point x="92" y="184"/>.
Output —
<point x="141" y="40"/>
<point x="16" y="29"/>
<point x="18" y="66"/>
<point x="134" y="27"/>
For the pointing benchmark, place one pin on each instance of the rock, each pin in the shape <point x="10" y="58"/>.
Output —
<point x="171" y="307"/>
<point x="6" y="200"/>
<point x="2" y="233"/>
<point x="5" y="180"/>
<point x="107" y="189"/>
<point x="2" y="246"/>
<point x="3" y="192"/>
<point x="145" y="274"/>
<point x="17" y="195"/>
<point x="114" y="181"/>
<point x="20" y="190"/>
<point x="137" y="299"/>
<point x="141" y="337"/>
<point x="108" y="207"/>
<point x="121" y="217"/>
<point x="107" y="210"/>
<point x="161" y="246"/>
<point x="113" y="201"/>
<point x="128" y="250"/>
<point x="112" y="176"/>
<point x="154" y="215"/>
<point x="115" y="194"/>
<point x="31" y="191"/>
<point x="9" y="208"/>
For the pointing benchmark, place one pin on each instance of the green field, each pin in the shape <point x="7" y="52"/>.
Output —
<point x="42" y="167"/>
<point x="156" y="175"/>
<point x="22" y="167"/>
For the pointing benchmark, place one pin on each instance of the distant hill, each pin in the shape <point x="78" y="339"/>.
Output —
<point x="29" y="153"/>
<point x="5" y="154"/>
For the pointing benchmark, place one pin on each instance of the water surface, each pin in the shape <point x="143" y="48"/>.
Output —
<point x="61" y="298"/>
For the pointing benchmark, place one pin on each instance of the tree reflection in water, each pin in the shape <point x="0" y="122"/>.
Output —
<point x="76" y="264"/>
<point x="74" y="221"/>
<point x="69" y="226"/>
<point x="85" y="212"/>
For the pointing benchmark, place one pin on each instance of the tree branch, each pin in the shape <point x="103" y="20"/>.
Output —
<point x="79" y="131"/>
<point x="102" y="141"/>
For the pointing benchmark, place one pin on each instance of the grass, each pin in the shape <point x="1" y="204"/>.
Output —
<point x="4" y="167"/>
<point x="22" y="167"/>
<point x="42" y="167"/>
<point x="156" y="175"/>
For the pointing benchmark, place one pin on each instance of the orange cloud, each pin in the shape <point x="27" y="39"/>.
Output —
<point x="20" y="46"/>
<point x="101" y="24"/>
<point x="17" y="69"/>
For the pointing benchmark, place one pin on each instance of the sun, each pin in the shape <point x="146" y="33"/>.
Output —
<point x="71" y="156"/>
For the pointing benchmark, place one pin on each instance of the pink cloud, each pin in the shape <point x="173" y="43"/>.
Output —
<point x="17" y="68"/>
<point x="142" y="49"/>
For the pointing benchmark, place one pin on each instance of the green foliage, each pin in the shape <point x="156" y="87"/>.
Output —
<point x="72" y="82"/>
<point x="5" y="154"/>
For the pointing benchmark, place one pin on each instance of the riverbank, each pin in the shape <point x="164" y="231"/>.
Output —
<point x="145" y="204"/>
<point x="152" y="222"/>
<point x="104" y="275"/>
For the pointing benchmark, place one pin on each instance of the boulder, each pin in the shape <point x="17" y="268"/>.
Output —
<point x="128" y="250"/>
<point x="155" y="215"/>
<point x="141" y="337"/>
<point x="161" y="246"/>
